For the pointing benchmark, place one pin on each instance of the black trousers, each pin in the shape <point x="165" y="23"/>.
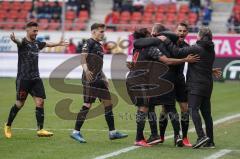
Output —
<point x="196" y="103"/>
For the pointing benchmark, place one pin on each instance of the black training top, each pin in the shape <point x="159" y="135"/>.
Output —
<point x="28" y="59"/>
<point x="94" y="49"/>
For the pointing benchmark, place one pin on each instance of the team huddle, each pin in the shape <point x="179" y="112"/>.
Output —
<point x="155" y="78"/>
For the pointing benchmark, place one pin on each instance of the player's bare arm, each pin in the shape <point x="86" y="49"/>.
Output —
<point x="172" y="61"/>
<point x="14" y="39"/>
<point x="60" y="43"/>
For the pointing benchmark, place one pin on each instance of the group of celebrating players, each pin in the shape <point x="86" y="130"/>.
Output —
<point x="149" y="83"/>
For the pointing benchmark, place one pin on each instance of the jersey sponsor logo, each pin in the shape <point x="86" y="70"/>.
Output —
<point x="232" y="70"/>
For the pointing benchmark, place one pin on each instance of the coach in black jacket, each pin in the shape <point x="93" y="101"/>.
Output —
<point x="199" y="83"/>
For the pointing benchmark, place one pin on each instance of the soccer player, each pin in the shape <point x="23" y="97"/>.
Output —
<point x="143" y="103"/>
<point x="199" y="83"/>
<point x="28" y="80"/>
<point x="92" y="80"/>
<point x="180" y="91"/>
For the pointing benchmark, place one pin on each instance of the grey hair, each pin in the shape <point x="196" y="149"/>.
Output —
<point x="205" y="34"/>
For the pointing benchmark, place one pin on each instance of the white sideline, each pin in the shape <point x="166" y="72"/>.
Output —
<point x="218" y="154"/>
<point x="127" y="149"/>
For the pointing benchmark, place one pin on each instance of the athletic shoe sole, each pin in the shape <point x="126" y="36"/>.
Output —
<point x="155" y="142"/>
<point x="40" y="135"/>
<point x="201" y="143"/>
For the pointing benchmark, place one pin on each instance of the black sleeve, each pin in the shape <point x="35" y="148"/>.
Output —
<point x="171" y="35"/>
<point x="181" y="52"/>
<point x="146" y="42"/>
<point x="154" y="53"/>
<point x="85" y="47"/>
<point x="41" y="45"/>
<point x="20" y="43"/>
<point x="164" y="50"/>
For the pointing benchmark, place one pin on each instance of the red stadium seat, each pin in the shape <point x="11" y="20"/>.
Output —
<point x="181" y="17"/>
<point x="171" y="18"/>
<point x="184" y="9"/>
<point x="160" y="18"/>
<point x="54" y="26"/>
<point x="136" y="16"/>
<point x="13" y="14"/>
<point x="83" y="15"/>
<point x="193" y="17"/>
<point x="27" y="6"/>
<point x="80" y="26"/>
<point x="150" y="8"/>
<point x="3" y="14"/>
<point x="172" y="8"/>
<point x="125" y="16"/>
<point x="146" y="22"/>
<point x="16" y="5"/>
<point x="148" y="17"/>
<point x="23" y="14"/>
<point x="70" y="15"/>
<point x="5" y="5"/>
<point x="161" y="9"/>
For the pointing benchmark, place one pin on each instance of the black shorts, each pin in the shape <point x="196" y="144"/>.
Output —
<point x="97" y="89"/>
<point x="181" y="90"/>
<point x="34" y="87"/>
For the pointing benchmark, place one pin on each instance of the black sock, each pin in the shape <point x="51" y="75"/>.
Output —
<point x="140" y="120"/>
<point x="12" y="114"/>
<point x="174" y="117"/>
<point x="81" y="117"/>
<point x="184" y="123"/>
<point x="152" y="119"/>
<point x="109" y="118"/>
<point x="40" y="117"/>
<point x="163" y="122"/>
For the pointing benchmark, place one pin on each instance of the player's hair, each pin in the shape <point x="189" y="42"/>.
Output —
<point x="97" y="25"/>
<point x="31" y="24"/>
<point x="205" y="34"/>
<point x="183" y="24"/>
<point x="141" y="33"/>
<point x="158" y="28"/>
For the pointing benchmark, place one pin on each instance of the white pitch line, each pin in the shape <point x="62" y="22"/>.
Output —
<point x="218" y="154"/>
<point x="127" y="149"/>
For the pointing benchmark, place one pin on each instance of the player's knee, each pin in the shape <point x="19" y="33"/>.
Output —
<point x="20" y="103"/>
<point x="183" y="107"/>
<point x="143" y="109"/>
<point x="40" y="102"/>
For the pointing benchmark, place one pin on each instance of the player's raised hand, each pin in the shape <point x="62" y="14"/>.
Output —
<point x="217" y="72"/>
<point x="192" y="58"/>
<point x="12" y="37"/>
